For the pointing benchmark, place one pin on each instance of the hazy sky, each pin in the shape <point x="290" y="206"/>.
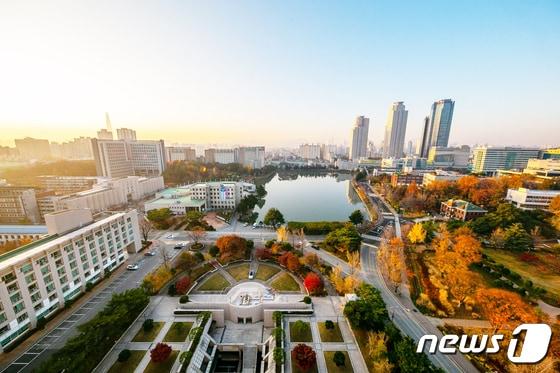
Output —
<point x="278" y="72"/>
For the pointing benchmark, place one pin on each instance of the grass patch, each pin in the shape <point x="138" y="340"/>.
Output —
<point x="331" y="366"/>
<point x="130" y="365"/>
<point x="197" y="272"/>
<point x="164" y="367"/>
<point x="333" y="335"/>
<point x="529" y="271"/>
<point x="300" y="335"/>
<point x="214" y="283"/>
<point x="362" y="338"/>
<point x="150" y="335"/>
<point x="239" y="272"/>
<point x="285" y="282"/>
<point x="295" y="369"/>
<point x="264" y="272"/>
<point x="178" y="332"/>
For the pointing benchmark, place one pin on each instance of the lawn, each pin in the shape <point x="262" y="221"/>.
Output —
<point x="164" y="367"/>
<point x="301" y="336"/>
<point x="333" y="335"/>
<point x="178" y="332"/>
<point x="130" y="365"/>
<point x="541" y="277"/>
<point x="239" y="272"/>
<point x="150" y="335"/>
<point x="264" y="272"/>
<point x="214" y="282"/>
<point x="285" y="282"/>
<point x="295" y="369"/>
<point x="331" y="366"/>
<point x="197" y="272"/>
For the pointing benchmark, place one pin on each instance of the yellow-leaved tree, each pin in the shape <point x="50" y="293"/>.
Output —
<point x="417" y="234"/>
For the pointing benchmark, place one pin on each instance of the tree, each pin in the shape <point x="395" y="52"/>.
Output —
<point x="261" y="192"/>
<point x="313" y="283"/>
<point x="160" y="353"/>
<point x="369" y="312"/>
<point x="376" y="345"/>
<point x="344" y="239"/>
<point x="273" y="217"/>
<point x="213" y="250"/>
<point x="356" y="217"/>
<point x="329" y="325"/>
<point x="408" y="360"/>
<point x="148" y="325"/>
<point x="417" y="234"/>
<point x="304" y="357"/>
<point x="159" y="217"/>
<point x="124" y="355"/>
<point x="390" y="256"/>
<point x="232" y="247"/>
<point x="186" y="261"/>
<point x="339" y="359"/>
<point x="282" y="234"/>
<point x="290" y="261"/>
<point x="554" y="206"/>
<point x="146" y="227"/>
<point x="517" y="238"/>
<point x="310" y="259"/>
<point x="183" y="285"/>
<point x="498" y="238"/>
<point x="353" y="261"/>
<point x="462" y="283"/>
<point x="164" y="255"/>
<point x="504" y="309"/>
<point x="344" y="285"/>
<point x="197" y="234"/>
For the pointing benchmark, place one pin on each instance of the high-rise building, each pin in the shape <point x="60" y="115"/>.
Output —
<point x="119" y="158"/>
<point x="179" y="153"/>
<point x="251" y="156"/>
<point x="79" y="148"/>
<point x="449" y="157"/>
<point x="424" y="141"/>
<point x="310" y="151"/>
<point x="30" y="148"/>
<point x="359" y="138"/>
<point x="224" y="156"/>
<point x="437" y="126"/>
<point x="104" y="134"/>
<point x="126" y="134"/>
<point x="487" y="160"/>
<point x="395" y="130"/>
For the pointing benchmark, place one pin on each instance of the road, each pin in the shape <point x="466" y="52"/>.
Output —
<point x="57" y="337"/>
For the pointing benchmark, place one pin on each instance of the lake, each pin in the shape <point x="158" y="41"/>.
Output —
<point x="322" y="197"/>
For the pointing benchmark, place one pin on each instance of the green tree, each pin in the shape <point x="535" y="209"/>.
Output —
<point x="261" y="192"/>
<point x="368" y="312"/>
<point x="517" y="238"/>
<point x="411" y="362"/>
<point x="346" y="239"/>
<point x="159" y="217"/>
<point x="356" y="217"/>
<point x="273" y="217"/>
<point x="339" y="359"/>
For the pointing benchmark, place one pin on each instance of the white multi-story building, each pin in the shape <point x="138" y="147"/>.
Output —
<point x="543" y="167"/>
<point x="107" y="194"/>
<point x="179" y="153"/>
<point x="487" y="160"/>
<point x="9" y="233"/>
<point x="39" y="278"/>
<point x="310" y="151"/>
<point x="449" y="157"/>
<point x="251" y="156"/>
<point x="440" y="175"/>
<point x="18" y="204"/>
<point x="215" y="195"/>
<point x="359" y="138"/>
<point x="79" y="148"/>
<point x="531" y="199"/>
<point x="118" y="158"/>
<point x="395" y="131"/>
<point x="68" y="184"/>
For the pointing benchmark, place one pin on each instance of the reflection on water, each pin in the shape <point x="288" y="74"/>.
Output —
<point x="311" y="197"/>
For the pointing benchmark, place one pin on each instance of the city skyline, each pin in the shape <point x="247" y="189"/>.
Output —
<point x="185" y="82"/>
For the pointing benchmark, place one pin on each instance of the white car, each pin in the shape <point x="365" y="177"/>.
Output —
<point x="132" y="267"/>
<point x="251" y="275"/>
<point x="169" y="236"/>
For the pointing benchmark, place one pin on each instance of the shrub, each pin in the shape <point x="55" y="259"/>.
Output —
<point x="304" y="357"/>
<point x="184" y="299"/>
<point x="268" y="244"/>
<point x="329" y="324"/>
<point x="306" y="300"/>
<point x="199" y="256"/>
<point x="89" y="286"/>
<point x="213" y="250"/>
<point x="278" y="355"/>
<point x="313" y="283"/>
<point x="171" y="290"/>
<point x="124" y="355"/>
<point x="160" y="353"/>
<point x="339" y="359"/>
<point x="182" y="285"/>
<point x="300" y="327"/>
<point x="148" y="325"/>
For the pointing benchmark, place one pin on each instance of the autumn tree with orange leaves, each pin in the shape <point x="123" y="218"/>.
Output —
<point x="390" y="257"/>
<point x="232" y="247"/>
<point x="505" y="310"/>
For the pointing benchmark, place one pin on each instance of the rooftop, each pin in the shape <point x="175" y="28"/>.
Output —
<point x="464" y="205"/>
<point x="23" y="229"/>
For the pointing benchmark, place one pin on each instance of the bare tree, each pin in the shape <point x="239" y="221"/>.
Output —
<point x="165" y="255"/>
<point x="197" y="235"/>
<point x="146" y="227"/>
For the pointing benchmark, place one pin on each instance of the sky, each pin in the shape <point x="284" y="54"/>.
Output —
<point x="278" y="73"/>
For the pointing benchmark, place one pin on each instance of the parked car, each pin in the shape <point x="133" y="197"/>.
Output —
<point x="132" y="267"/>
<point x="169" y="236"/>
<point x="251" y="275"/>
<point x="150" y="253"/>
<point x="315" y="247"/>
<point x="178" y="247"/>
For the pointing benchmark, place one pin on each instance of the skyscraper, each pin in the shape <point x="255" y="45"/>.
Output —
<point x="395" y="130"/>
<point x="359" y="140"/>
<point x="126" y="134"/>
<point x="437" y="126"/>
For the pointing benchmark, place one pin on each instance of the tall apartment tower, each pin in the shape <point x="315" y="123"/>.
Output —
<point x="438" y="126"/>
<point x="359" y="140"/>
<point x="395" y="130"/>
<point x="126" y="134"/>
